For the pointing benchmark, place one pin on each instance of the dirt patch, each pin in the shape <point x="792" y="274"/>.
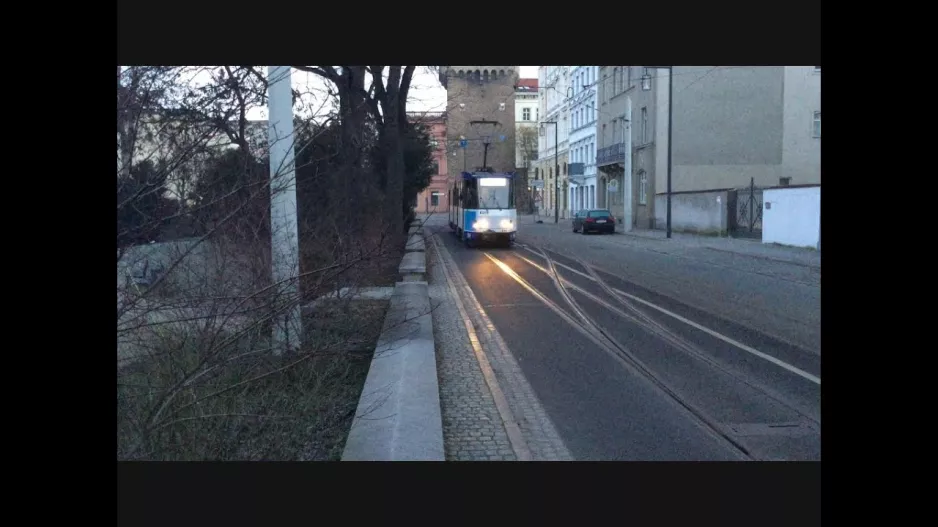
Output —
<point x="245" y="403"/>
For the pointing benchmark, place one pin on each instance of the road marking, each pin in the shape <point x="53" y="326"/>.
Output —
<point x="518" y="444"/>
<point x="546" y="301"/>
<point x="782" y="364"/>
<point x="619" y="353"/>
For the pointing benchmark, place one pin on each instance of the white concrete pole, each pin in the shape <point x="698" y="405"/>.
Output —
<point x="627" y="174"/>
<point x="284" y="232"/>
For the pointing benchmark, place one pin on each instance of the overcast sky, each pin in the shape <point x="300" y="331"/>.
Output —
<point x="426" y="93"/>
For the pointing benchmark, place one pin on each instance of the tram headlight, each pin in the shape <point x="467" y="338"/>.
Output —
<point x="481" y="225"/>
<point x="506" y="224"/>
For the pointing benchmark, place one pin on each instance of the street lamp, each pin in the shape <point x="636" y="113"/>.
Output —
<point x="556" y="166"/>
<point x="646" y="86"/>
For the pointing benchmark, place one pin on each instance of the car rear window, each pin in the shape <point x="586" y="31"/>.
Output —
<point x="599" y="214"/>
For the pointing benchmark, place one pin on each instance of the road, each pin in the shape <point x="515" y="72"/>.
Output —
<point x="632" y="368"/>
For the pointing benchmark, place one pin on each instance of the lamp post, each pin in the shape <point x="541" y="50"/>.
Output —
<point x="556" y="167"/>
<point x="646" y="86"/>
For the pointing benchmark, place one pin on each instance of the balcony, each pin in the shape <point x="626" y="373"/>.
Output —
<point x="610" y="155"/>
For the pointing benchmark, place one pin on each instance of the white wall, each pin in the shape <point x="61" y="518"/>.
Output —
<point x="792" y="216"/>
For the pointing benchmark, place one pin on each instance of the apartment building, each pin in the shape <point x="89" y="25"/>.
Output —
<point x="582" y="138"/>
<point x="526" y="116"/>
<point x="733" y="127"/>
<point x="625" y="146"/>
<point x="553" y="143"/>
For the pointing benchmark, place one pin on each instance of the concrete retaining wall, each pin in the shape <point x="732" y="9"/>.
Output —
<point x="696" y="212"/>
<point x="398" y="416"/>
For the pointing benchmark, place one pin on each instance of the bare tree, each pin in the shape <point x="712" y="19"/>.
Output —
<point x="196" y="376"/>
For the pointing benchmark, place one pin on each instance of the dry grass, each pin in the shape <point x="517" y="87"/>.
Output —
<point x="251" y="405"/>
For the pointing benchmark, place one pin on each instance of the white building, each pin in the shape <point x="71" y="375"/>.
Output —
<point x="554" y="129"/>
<point x="582" y="140"/>
<point x="526" y="117"/>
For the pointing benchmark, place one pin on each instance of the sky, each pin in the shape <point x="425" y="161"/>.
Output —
<point x="426" y="94"/>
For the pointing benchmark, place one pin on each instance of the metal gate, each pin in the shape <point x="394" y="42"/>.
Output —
<point x="748" y="216"/>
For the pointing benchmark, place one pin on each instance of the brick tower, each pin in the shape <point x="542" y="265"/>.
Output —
<point x="480" y="93"/>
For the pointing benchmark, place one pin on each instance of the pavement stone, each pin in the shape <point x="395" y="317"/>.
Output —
<point x="472" y="427"/>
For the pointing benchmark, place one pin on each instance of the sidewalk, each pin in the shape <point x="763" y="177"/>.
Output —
<point x="474" y="428"/>
<point x="656" y="240"/>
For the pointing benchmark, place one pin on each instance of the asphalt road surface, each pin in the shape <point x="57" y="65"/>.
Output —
<point x="628" y="372"/>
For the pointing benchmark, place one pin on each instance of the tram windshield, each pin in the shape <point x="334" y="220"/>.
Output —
<point x="494" y="193"/>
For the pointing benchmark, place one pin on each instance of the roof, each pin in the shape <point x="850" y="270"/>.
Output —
<point x="526" y="85"/>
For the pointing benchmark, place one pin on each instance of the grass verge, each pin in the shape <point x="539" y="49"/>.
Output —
<point x="239" y="402"/>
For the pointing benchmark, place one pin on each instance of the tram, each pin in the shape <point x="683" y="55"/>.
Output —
<point x="483" y="208"/>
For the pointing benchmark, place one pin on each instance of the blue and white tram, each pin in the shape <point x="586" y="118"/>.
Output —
<point x="483" y="208"/>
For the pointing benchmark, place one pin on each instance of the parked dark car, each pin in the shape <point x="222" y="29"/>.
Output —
<point x="594" y="220"/>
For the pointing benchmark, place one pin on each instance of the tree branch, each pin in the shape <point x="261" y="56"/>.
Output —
<point x="327" y="72"/>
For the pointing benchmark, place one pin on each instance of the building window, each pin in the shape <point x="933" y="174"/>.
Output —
<point x="642" y="188"/>
<point x="644" y="125"/>
<point x="817" y="124"/>
<point x="436" y="168"/>
<point x="537" y="114"/>
<point x="537" y="172"/>
<point x="629" y="76"/>
<point x="526" y="114"/>
<point x="784" y="181"/>
<point x="615" y="80"/>
<point x="434" y="199"/>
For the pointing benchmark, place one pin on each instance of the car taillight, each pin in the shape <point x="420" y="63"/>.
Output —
<point x="590" y="220"/>
<point x="611" y="219"/>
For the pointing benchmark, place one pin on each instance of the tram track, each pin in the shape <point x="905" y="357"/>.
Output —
<point x="619" y="351"/>
<point x="641" y="318"/>
<point x="613" y="302"/>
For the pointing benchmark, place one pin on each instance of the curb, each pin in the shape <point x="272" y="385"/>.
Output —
<point x="398" y="416"/>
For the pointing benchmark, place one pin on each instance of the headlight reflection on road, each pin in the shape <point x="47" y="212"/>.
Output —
<point x="503" y="266"/>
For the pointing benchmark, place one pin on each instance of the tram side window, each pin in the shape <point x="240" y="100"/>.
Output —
<point x="470" y="197"/>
